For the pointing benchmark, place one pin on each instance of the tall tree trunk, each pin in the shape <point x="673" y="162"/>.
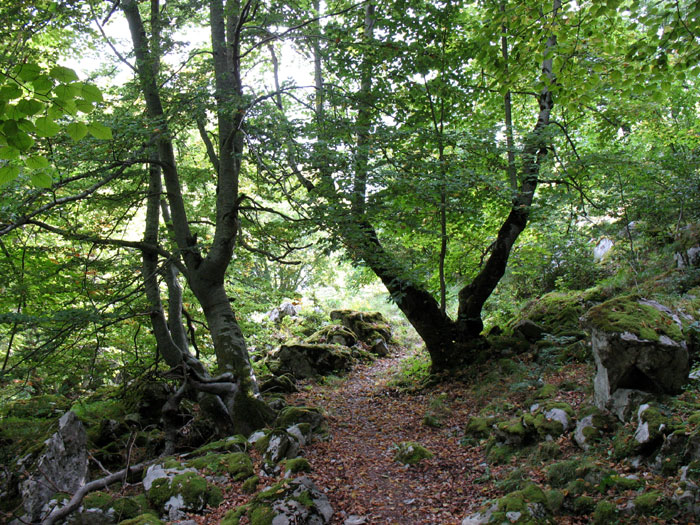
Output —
<point x="451" y="343"/>
<point x="236" y="388"/>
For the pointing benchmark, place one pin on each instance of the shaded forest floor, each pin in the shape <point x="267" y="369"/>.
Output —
<point x="367" y="418"/>
<point x="380" y="404"/>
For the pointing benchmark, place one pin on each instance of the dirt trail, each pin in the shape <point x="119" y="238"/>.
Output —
<point x="356" y="467"/>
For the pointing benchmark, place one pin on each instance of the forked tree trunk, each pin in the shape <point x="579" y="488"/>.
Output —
<point x="449" y="343"/>
<point x="234" y="392"/>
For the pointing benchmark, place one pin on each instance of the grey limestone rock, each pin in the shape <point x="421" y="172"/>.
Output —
<point x="624" y="361"/>
<point x="62" y="467"/>
<point x="288" y="509"/>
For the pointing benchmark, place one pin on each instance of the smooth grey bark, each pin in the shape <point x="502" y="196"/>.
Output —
<point x="237" y="386"/>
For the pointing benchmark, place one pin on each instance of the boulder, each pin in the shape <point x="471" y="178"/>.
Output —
<point x="528" y="330"/>
<point x="285" y="503"/>
<point x="280" y="384"/>
<point x="62" y="467"/>
<point x="174" y="492"/>
<point x="333" y="334"/>
<point x="303" y="360"/>
<point x="638" y="345"/>
<point x="624" y="402"/>
<point x="286" y="309"/>
<point x="591" y="427"/>
<point x="368" y="326"/>
<point x="280" y="445"/>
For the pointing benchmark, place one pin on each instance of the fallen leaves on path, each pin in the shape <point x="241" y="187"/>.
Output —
<point x="355" y="467"/>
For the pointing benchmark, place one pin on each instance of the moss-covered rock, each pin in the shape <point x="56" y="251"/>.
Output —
<point x="189" y="491"/>
<point x="479" y="426"/>
<point x="293" y="415"/>
<point x="39" y="407"/>
<point x="499" y="454"/>
<point x="546" y="391"/>
<point x="143" y="519"/>
<point x="97" y="500"/>
<point x="605" y="512"/>
<point x="410" y="453"/>
<point x="236" y="464"/>
<point x="368" y="326"/>
<point x="618" y="483"/>
<point x="583" y="504"/>
<point x="290" y="501"/>
<point x="545" y="452"/>
<point x="236" y="443"/>
<point x="563" y="472"/>
<point x="333" y="334"/>
<point x="304" y="360"/>
<point x="628" y="314"/>
<point x="517" y="431"/>
<point x="527" y="506"/>
<point x="250" y="485"/>
<point x="296" y="465"/>
<point x="559" y="312"/>
<point x="649" y="503"/>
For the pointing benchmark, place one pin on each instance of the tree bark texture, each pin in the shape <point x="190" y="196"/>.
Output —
<point x="237" y="387"/>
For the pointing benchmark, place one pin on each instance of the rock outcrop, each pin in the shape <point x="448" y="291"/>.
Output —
<point x="637" y="345"/>
<point x="62" y="467"/>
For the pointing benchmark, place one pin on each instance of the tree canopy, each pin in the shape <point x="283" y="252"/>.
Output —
<point x="459" y="152"/>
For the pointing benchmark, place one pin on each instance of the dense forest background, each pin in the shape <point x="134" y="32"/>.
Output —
<point x="446" y="163"/>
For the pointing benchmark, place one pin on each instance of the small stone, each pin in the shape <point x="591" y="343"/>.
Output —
<point x="355" y="520"/>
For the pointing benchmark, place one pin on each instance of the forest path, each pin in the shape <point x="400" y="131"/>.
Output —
<point x="366" y="417"/>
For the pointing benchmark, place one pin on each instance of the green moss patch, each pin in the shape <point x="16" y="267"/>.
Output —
<point x="143" y="519"/>
<point x="236" y="443"/>
<point x="649" y="503"/>
<point x="604" y="513"/>
<point x="627" y="314"/>
<point x="410" y="453"/>
<point x="196" y="492"/>
<point x="292" y="466"/>
<point x="39" y="407"/>
<point x="237" y="464"/>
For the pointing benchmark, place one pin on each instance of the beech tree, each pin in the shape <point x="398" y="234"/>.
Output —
<point x="440" y="72"/>
<point x="449" y="342"/>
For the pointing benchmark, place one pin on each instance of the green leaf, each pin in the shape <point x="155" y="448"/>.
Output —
<point x="45" y="127"/>
<point x="20" y="140"/>
<point x="26" y="125"/>
<point x="55" y="112"/>
<point x="13" y="112"/>
<point x="8" y="173"/>
<point x="63" y="74"/>
<point x="28" y="72"/>
<point x="66" y="92"/>
<point x="91" y="93"/>
<point x="10" y="92"/>
<point x="77" y="130"/>
<point x="37" y="163"/>
<point x="8" y="153"/>
<point x="41" y="179"/>
<point x="84" y="105"/>
<point x="30" y="106"/>
<point x="99" y="131"/>
<point x="42" y="84"/>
